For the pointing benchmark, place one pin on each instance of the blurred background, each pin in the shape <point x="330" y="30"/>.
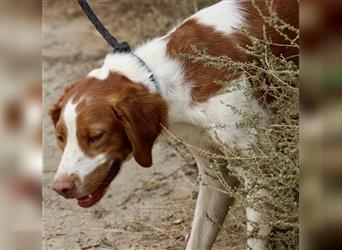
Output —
<point x="20" y="125"/>
<point x="321" y="124"/>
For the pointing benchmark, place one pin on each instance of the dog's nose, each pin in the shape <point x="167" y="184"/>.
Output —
<point x="64" y="186"/>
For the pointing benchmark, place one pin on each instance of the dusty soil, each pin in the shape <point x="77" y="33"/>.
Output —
<point x="144" y="208"/>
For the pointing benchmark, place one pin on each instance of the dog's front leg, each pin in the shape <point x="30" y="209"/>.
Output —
<point x="255" y="223"/>
<point x="211" y="209"/>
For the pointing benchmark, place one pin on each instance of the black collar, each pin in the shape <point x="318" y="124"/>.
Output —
<point x="151" y="77"/>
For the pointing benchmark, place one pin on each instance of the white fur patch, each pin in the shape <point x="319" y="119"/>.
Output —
<point x="74" y="160"/>
<point x="257" y="244"/>
<point x="169" y="74"/>
<point x="128" y="65"/>
<point x="225" y="16"/>
<point x="254" y="219"/>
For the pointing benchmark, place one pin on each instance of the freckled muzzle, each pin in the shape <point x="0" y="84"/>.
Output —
<point x="95" y="184"/>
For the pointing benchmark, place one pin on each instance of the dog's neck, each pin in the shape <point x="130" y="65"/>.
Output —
<point x="168" y="73"/>
<point x="129" y="65"/>
<point x="165" y="71"/>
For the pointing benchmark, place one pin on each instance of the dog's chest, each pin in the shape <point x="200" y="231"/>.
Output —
<point x="216" y="121"/>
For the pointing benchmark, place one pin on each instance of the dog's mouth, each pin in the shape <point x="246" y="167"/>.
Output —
<point x="96" y="196"/>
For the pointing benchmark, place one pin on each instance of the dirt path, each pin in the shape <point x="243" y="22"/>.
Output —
<point x="144" y="208"/>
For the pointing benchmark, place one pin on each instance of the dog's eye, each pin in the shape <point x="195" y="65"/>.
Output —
<point x="95" y="137"/>
<point x="60" y="138"/>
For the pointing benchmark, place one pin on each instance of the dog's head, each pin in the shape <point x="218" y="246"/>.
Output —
<point x="99" y="124"/>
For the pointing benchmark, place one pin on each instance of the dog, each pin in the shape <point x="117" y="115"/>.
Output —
<point x="120" y="109"/>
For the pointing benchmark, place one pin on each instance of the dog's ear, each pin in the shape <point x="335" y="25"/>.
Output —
<point x="56" y="109"/>
<point x="142" y="114"/>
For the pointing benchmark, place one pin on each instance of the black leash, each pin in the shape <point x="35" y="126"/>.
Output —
<point x="111" y="40"/>
<point x="117" y="47"/>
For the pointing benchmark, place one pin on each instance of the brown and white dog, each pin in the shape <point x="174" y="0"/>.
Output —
<point x="119" y="111"/>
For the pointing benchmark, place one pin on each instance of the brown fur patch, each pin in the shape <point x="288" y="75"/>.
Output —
<point x="75" y="178"/>
<point x="56" y="109"/>
<point x="191" y="33"/>
<point x="61" y="130"/>
<point x="92" y="180"/>
<point x="127" y="115"/>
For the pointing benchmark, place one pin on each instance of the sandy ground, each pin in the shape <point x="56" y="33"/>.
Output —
<point x="144" y="208"/>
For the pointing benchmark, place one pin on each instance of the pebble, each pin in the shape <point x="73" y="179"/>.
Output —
<point x="179" y="237"/>
<point x="176" y="222"/>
